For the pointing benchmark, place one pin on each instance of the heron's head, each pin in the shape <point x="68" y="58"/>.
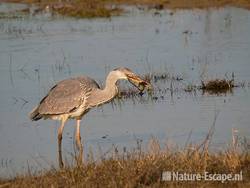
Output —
<point x="125" y="73"/>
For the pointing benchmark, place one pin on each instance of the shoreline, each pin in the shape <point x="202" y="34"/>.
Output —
<point x="108" y="8"/>
<point x="139" y="168"/>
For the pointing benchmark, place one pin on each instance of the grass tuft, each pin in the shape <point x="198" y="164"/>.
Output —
<point x="217" y="86"/>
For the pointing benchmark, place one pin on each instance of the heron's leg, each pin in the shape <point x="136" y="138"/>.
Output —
<point x="77" y="135"/>
<point x="78" y="142"/>
<point x="59" y="137"/>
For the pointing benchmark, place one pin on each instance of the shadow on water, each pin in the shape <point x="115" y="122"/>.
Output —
<point x="175" y="51"/>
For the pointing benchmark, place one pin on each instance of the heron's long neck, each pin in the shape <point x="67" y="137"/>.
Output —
<point x="110" y="90"/>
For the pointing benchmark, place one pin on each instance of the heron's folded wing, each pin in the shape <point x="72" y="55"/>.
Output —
<point x="67" y="96"/>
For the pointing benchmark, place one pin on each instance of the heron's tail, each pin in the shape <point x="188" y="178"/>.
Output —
<point x="34" y="115"/>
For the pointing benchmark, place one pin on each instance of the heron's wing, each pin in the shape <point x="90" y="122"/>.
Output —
<point x="67" y="96"/>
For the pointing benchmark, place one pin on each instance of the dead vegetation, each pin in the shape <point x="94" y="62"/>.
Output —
<point x="153" y="78"/>
<point x="107" y="8"/>
<point x="165" y="82"/>
<point x="143" y="166"/>
<point x="138" y="168"/>
<point x="85" y="9"/>
<point x="73" y="8"/>
<point x="217" y="86"/>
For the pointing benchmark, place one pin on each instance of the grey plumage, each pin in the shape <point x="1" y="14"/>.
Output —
<point x="65" y="97"/>
<point x="74" y="97"/>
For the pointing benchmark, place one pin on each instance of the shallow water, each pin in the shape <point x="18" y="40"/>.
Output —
<point x="36" y="52"/>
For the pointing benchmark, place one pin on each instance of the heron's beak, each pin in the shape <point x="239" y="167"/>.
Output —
<point x="138" y="82"/>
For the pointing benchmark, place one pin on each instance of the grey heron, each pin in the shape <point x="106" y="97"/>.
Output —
<point x="74" y="97"/>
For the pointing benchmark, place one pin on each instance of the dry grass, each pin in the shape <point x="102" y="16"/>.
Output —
<point x="86" y="9"/>
<point x="143" y="169"/>
<point x="217" y="86"/>
<point x="212" y="87"/>
<point x="102" y="8"/>
<point x="185" y="4"/>
<point x="73" y="8"/>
